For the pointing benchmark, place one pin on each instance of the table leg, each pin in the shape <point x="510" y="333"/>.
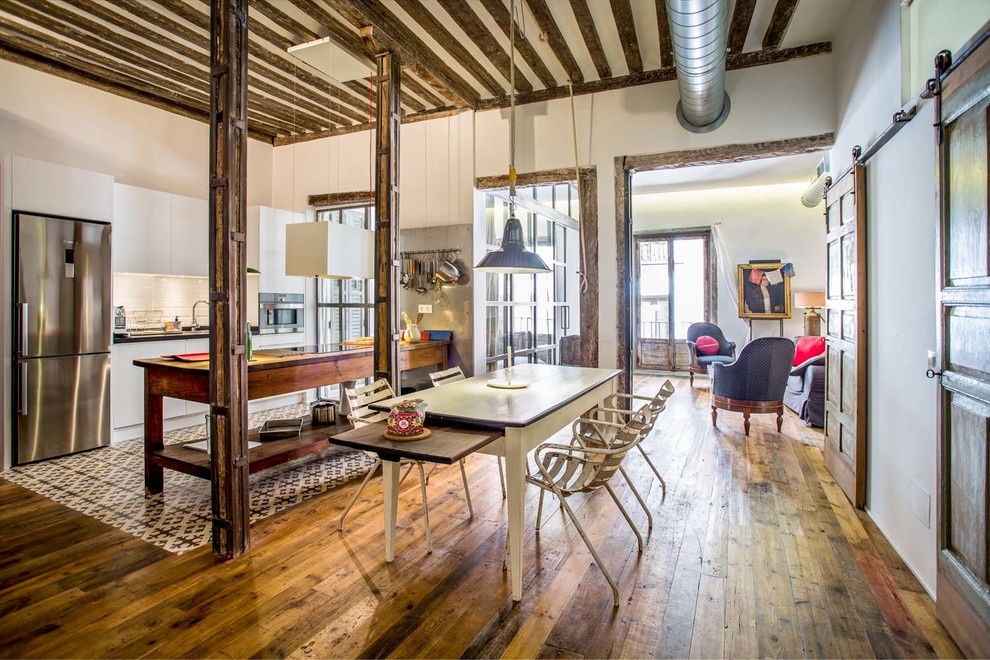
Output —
<point x="390" y="478"/>
<point x="345" y="407"/>
<point x="515" y="487"/>
<point x="154" y="439"/>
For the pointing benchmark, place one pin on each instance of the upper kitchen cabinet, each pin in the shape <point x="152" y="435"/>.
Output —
<point x="142" y="230"/>
<point x="190" y="236"/>
<point x="47" y="188"/>
<point x="266" y="249"/>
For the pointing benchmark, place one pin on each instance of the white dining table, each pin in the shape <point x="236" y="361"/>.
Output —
<point x="555" y="397"/>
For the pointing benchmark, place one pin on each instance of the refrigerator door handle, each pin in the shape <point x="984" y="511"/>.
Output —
<point x="22" y="405"/>
<point x="23" y="329"/>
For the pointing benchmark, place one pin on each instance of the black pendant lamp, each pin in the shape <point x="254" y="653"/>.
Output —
<point x="512" y="257"/>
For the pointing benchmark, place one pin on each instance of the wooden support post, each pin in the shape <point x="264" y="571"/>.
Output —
<point x="387" y="219"/>
<point x="228" y="276"/>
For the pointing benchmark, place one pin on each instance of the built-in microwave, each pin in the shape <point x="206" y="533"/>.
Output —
<point x="280" y="312"/>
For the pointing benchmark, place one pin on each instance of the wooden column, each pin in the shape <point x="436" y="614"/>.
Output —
<point x="228" y="276"/>
<point x="588" y="195"/>
<point x="387" y="219"/>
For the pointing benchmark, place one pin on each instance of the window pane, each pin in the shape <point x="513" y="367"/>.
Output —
<point x="689" y="284"/>
<point x="544" y="239"/>
<point x="353" y="218"/>
<point x="560" y="284"/>
<point x="544" y="195"/>
<point x="559" y="243"/>
<point x="354" y="291"/>
<point x="544" y="288"/>
<point x="495" y="287"/>
<point x="495" y="331"/>
<point x="545" y="325"/>
<point x="354" y="320"/>
<point x="561" y="201"/>
<point x="545" y="357"/>
<point x="329" y="319"/>
<point x="523" y="288"/>
<point x="495" y="216"/>
<point x="523" y="320"/>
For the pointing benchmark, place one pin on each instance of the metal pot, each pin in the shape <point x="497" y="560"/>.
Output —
<point x="447" y="272"/>
<point x="323" y="411"/>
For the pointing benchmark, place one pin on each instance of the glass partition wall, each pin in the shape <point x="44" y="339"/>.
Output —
<point x="344" y="308"/>
<point x="533" y="312"/>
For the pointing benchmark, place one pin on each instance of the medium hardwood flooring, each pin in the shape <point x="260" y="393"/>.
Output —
<point x="755" y="552"/>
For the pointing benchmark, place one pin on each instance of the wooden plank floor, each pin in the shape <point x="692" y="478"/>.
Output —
<point x="755" y="552"/>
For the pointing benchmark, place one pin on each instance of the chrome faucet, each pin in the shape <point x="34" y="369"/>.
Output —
<point x="195" y="324"/>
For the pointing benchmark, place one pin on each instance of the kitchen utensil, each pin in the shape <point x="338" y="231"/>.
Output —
<point x="447" y="272"/>
<point x="323" y="411"/>
<point x="465" y="272"/>
<point x="441" y="298"/>
<point x="420" y="278"/>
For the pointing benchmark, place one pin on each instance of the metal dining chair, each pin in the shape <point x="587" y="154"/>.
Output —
<point x="360" y="400"/>
<point x="577" y="468"/>
<point x="449" y="376"/>
<point x="615" y="410"/>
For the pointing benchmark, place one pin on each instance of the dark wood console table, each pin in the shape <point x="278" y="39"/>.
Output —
<point x="267" y="376"/>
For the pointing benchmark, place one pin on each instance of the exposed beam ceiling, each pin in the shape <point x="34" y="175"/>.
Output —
<point x="454" y="52"/>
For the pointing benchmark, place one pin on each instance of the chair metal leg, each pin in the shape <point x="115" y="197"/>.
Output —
<point x="625" y="514"/>
<point x="639" y="498"/>
<point x="594" y="553"/>
<point x="539" y="512"/>
<point x="433" y="468"/>
<point x="501" y="475"/>
<point x="426" y="506"/>
<point x="663" y="484"/>
<point x="357" y="493"/>
<point x="408" y="470"/>
<point x="467" y="491"/>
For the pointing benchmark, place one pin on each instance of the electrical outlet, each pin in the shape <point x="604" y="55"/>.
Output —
<point x="921" y="504"/>
<point x="426" y="309"/>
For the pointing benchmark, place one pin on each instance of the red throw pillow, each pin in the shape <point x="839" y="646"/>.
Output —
<point x="706" y="345"/>
<point x="807" y="348"/>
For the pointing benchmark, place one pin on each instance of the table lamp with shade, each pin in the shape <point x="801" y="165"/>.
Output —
<point x="812" y="301"/>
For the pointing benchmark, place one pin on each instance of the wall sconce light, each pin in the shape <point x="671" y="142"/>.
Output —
<point x="330" y="250"/>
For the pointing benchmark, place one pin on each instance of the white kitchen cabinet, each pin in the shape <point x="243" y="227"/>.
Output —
<point x="38" y="186"/>
<point x="127" y="381"/>
<point x="266" y="249"/>
<point x="142" y="230"/>
<point x="190" y="240"/>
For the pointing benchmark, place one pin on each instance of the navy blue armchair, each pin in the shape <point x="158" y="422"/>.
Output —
<point x="756" y="381"/>
<point x="699" y="363"/>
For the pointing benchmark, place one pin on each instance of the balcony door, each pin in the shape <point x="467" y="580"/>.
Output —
<point x="673" y="289"/>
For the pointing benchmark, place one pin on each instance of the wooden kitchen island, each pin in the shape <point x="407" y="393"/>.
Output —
<point x="268" y="375"/>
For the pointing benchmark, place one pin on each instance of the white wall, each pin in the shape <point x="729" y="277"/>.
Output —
<point x="56" y="120"/>
<point x="902" y="220"/>
<point x="622" y="122"/>
<point x="753" y="222"/>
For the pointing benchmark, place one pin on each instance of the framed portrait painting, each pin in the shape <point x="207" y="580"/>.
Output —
<point x="764" y="291"/>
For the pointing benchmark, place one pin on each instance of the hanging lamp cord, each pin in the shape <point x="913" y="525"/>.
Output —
<point x="512" y="108"/>
<point x="577" y="181"/>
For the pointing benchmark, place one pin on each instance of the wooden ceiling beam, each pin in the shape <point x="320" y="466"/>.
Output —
<point x="500" y="12"/>
<point x="387" y="32"/>
<point x="173" y="70"/>
<point x="733" y="62"/>
<point x="451" y="44"/>
<point x="624" y="23"/>
<point x="742" y="16"/>
<point x="367" y="85"/>
<point x="284" y="21"/>
<point x="555" y="39"/>
<point x="437" y="113"/>
<point x="783" y="12"/>
<point x="663" y="30"/>
<point x="586" y="23"/>
<point x="479" y="34"/>
<point x="422" y="91"/>
<point x="283" y="71"/>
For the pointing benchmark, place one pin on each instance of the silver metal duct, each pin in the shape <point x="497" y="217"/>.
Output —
<point x="699" y="32"/>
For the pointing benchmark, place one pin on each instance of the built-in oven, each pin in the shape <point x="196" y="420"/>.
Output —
<point x="281" y="312"/>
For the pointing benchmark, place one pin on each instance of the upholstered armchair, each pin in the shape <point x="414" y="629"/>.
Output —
<point x="699" y="362"/>
<point x="755" y="382"/>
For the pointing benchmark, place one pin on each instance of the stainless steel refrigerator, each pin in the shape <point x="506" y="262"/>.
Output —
<point x="61" y="339"/>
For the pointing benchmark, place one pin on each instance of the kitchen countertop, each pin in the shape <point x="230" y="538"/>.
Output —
<point x="202" y="333"/>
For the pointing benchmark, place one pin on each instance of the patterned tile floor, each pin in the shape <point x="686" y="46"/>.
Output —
<point x="108" y="484"/>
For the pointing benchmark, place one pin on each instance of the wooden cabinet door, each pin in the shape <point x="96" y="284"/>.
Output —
<point x="964" y="326"/>
<point x="845" y="318"/>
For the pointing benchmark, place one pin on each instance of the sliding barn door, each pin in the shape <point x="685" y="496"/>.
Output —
<point x="964" y="326"/>
<point x="845" y="317"/>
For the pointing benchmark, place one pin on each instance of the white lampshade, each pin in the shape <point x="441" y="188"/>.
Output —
<point x="329" y="249"/>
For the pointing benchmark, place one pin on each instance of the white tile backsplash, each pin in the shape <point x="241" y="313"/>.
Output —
<point x="173" y="295"/>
